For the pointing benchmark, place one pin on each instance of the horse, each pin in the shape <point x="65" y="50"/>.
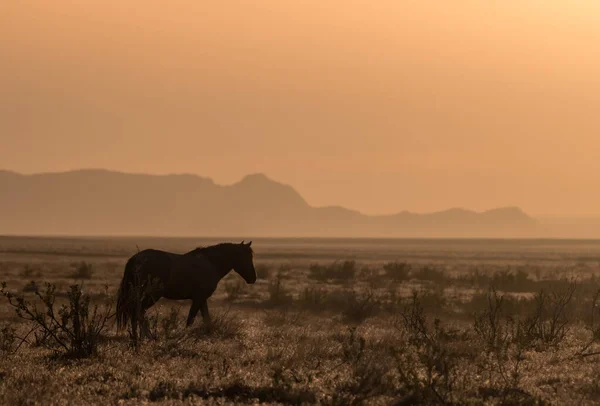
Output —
<point x="151" y="274"/>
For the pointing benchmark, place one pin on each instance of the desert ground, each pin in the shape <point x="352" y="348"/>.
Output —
<point x="328" y="322"/>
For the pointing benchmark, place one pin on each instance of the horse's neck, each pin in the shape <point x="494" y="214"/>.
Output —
<point x="222" y="262"/>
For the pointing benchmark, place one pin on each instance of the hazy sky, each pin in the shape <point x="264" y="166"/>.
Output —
<point x="379" y="105"/>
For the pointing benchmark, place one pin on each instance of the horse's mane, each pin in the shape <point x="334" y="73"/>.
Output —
<point x="217" y="249"/>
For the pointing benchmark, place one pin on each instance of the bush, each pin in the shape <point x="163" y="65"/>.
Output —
<point x="29" y="272"/>
<point x="550" y="321"/>
<point x="357" y="307"/>
<point x="509" y="281"/>
<point x="283" y="271"/>
<point x="488" y="323"/>
<point x="171" y="324"/>
<point x="354" y="306"/>
<point x="370" y="369"/>
<point x="83" y="270"/>
<point x="8" y="338"/>
<point x="234" y="289"/>
<point x="592" y="325"/>
<point x="278" y="295"/>
<point x="430" y="371"/>
<point x="433" y="299"/>
<point x="505" y="340"/>
<point x="429" y="273"/>
<point x="313" y="298"/>
<point x="284" y="316"/>
<point x="264" y="271"/>
<point x="372" y="275"/>
<point x="511" y="305"/>
<point x="30" y="287"/>
<point x="506" y="280"/>
<point x="336" y="271"/>
<point x="222" y="325"/>
<point x="397" y="271"/>
<point x="72" y="330"/>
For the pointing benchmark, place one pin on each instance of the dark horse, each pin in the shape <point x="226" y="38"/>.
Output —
<point x="152" y="274"/>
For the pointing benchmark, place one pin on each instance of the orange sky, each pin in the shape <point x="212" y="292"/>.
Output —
<point x="379" y="106"/>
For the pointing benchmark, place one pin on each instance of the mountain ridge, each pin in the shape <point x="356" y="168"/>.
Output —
<point x="92" y="201"/>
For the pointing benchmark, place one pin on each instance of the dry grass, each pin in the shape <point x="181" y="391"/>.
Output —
<point x="397" y="331"/>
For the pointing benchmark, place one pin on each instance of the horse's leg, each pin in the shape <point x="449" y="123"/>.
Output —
<point x="196" y="303"/>
<point x="147" y="303"/>
<point x="205" y="314"/>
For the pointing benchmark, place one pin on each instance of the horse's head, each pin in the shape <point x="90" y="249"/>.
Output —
<point x="244" y="264"/>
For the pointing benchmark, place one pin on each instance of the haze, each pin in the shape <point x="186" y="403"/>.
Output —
<point x="377" y="106"/>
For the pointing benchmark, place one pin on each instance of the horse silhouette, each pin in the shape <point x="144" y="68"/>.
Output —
<point x="151" y="274"/>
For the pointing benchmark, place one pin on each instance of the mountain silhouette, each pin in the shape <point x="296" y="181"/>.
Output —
<point x="102" y="202"/>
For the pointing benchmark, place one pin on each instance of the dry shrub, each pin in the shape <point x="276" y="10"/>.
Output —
<point x="429" y="273"/>
<point x="313" y="298"/>
<point x="506" y="280"/>
<point x="370" y="368"/>
<point x="283" y="271"/>
<point x="83" y="270"/>
<point x="512" y="281"/>
<point x="358" y="306"/>
<point x="29" y="271"/>
<point x="504" y="341"/>
<point x="223" y="325"/>
<point x="549" y="323"/>
<point x="284" y="316"/>
<point x="31" y="287"/>
<point x="72" y="330"/>
<point x="433" y="299"/>
<point x="171" y="324"/>
<point x="369" y="273"/>
<point x="234" y="289"/>
<point x="592" y="326"/>
<point x="428" y="369"/>
<point x="278" y="294"/>
<point x="337" y="271"/>
<point x="264" y="271"/>
<point x="488" y="323"/>
<point x="397" y="271"/>
<point x="8" y="338"/>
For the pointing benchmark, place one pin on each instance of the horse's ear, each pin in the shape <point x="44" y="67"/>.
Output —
<point x="250" y="243"/>
<point x="242" y="242"/>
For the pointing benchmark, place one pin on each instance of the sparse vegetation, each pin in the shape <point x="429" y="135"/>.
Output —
<point x="8" y="337"/>
<point x="29" y="272"/>
<point x="264" y="271"/>
<point x="429" y="273"/>
<point x="83" y="270"/>
<point x="234" y="289"/>
<point x="72" y="330"/>
<point x="337" y="271"/>
<point x="550" y="321"/>
<point x="397" y="271"/>
<point x="331" y="333"/>
<point x="278" y="294"/>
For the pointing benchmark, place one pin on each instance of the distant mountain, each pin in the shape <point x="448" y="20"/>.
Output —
<point x="101" y="202"/>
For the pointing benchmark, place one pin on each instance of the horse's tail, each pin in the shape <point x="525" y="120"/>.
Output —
<point x="125" y="305"/>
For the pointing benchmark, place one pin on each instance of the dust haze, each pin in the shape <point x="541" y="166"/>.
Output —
<point x="379" y="108"/>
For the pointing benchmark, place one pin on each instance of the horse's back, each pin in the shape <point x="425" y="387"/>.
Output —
<point x="153" y="262"/>
<point x="182" y="276"/>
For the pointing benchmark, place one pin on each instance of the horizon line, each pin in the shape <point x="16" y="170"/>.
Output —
<point x="233" y="238"/>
